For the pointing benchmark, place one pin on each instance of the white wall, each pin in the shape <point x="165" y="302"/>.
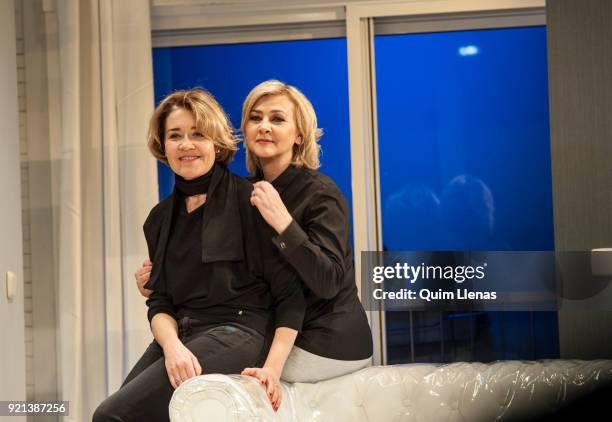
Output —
<point x="12" y="351"/>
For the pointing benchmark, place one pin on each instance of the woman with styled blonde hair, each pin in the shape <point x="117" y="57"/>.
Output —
<point x="310" y="219"/>
<point x="209" y="295"/>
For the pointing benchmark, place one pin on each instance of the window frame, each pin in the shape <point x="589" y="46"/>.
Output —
<point x="176" y="23"/>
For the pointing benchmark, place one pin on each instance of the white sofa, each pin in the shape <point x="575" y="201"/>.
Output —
<point x="473" y="392"/>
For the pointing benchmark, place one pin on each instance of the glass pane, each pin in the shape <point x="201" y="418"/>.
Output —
<point x="317" y="67"/>
<point x="465" y="165"/>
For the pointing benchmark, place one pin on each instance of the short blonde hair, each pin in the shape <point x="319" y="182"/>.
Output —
<point x="307" y="152"/>
<point x="209" y="118"/>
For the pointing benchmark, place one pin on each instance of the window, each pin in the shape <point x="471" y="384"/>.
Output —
<point x="464" y="158"/>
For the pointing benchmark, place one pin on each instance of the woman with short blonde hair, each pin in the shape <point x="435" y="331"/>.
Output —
<point x="307" y="152"/>
<point x="210" y="304"/>
<point x="310" y="217"/>
<point x="208" y="115"/>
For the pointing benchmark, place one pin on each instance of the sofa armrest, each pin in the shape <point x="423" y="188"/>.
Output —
<point x="221" y="398"/>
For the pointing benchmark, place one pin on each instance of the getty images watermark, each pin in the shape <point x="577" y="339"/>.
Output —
<point x="411" y="274"/>
<point x="479" y="280"/>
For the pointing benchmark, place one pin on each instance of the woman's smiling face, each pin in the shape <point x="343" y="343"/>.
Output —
<point x="189" y="153"/>
<point x="271" y="131"/>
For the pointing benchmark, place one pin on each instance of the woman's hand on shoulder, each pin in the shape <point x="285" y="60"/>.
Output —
<point x="142" y="276"/>
<point x="181" y="364"/>
<point x="269" y="203"/>
<point x="270" y="380"/>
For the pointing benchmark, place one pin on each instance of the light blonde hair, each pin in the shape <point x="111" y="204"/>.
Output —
<point x="209" y="118"/>
<point x="306" y="153"/>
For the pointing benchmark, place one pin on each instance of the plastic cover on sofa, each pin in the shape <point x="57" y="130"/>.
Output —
<point x="473" y="392"/>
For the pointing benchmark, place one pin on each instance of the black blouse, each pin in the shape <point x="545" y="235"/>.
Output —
<point x="317" y="245"/>
<point x="212" y="265"/>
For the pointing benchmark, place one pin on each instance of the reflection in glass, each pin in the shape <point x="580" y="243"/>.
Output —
<point x="465" y="165"/>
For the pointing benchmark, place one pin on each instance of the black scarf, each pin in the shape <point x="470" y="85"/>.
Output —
<point x="222" y="238"/>
<point x="197" y="186"/>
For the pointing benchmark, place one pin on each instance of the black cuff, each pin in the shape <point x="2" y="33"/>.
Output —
<point x="290" y="239"/>
<point x="290" y="319"/>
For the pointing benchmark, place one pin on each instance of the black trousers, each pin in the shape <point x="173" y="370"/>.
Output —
<point x="146" y="392"/>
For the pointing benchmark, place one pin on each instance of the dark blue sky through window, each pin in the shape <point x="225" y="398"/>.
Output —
<point x="464" y="140"/>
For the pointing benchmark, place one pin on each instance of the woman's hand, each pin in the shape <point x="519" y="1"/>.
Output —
<point x="270" y="380"/>
<point x="142" y="277"/>
<point x="181" y="364"/>
<point x="271" y="206"/>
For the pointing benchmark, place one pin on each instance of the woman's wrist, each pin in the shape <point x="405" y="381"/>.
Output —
<point x="165" y="330"/>
<point x="274" y="369"/>
<point x="283" y="223"/>
<point x="275" y="365"/>
<point x="171" y="345"/>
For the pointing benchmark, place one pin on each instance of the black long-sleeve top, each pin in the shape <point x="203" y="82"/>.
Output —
<point x="212" y="265"/>
<point x="317" y="245"/>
